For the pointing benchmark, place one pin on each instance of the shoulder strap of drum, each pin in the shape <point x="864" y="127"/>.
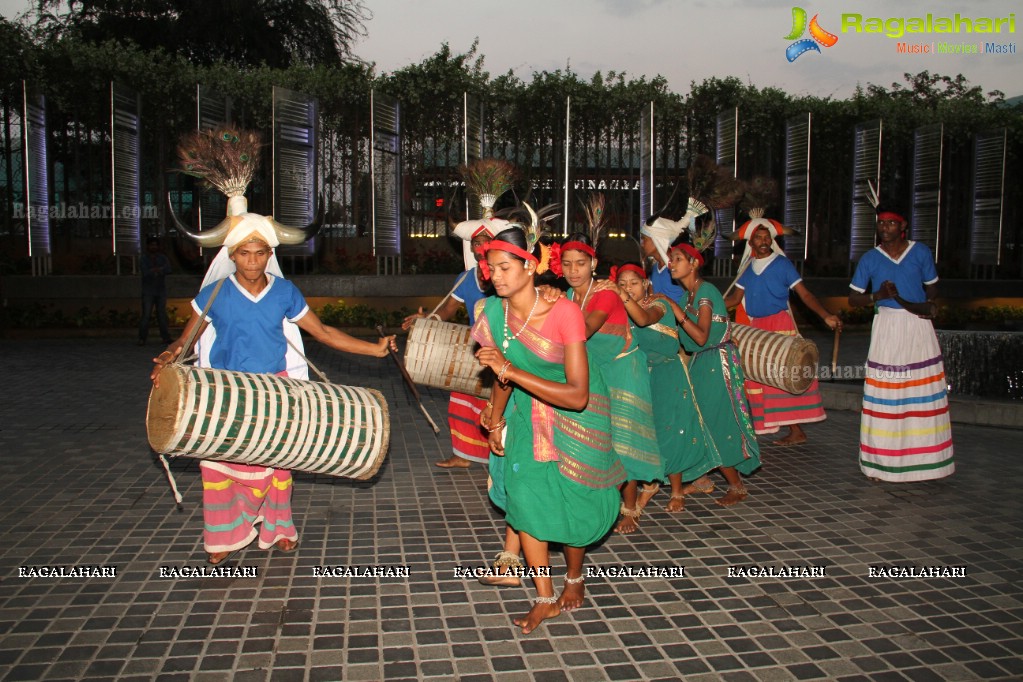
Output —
<point x="323" y="377"/>
<point x="453" y="289"/>
<point x="195" y="330"/>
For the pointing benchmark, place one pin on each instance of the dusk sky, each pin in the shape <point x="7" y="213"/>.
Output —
<point x="687" y="41"/>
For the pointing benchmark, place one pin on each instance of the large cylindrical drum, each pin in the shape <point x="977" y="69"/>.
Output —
<point x="442" y="355"/>
<point x="268" y="420"/>
<point x="785" y="362"/>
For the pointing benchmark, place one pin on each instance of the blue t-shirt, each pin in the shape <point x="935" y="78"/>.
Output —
<point x="660" y="279"/>
<point x="911" y="272"/>
<point x="469" y="292"/>
<point x="768" y="293"/>
<point x="250" y="331"/>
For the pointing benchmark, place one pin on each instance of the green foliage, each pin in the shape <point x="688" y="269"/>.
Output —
<point x="46" y="316"/>
<point x="274" y="32"/>
<point x="523" y="120"/>
<point x="341" y="314"/>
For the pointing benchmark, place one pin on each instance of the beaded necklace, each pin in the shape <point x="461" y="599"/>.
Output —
<point x="507" y="305"/>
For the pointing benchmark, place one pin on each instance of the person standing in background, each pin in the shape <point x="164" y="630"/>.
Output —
<point x="155" y="267"/>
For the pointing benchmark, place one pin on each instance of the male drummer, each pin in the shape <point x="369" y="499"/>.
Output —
<point x="763" y="288"/>
<point x="468" y="440"/>
<point x="250" y="314"/>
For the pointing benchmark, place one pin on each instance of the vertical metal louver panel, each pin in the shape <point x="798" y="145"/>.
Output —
<point x="37" y="186"/>
<point x="988" y="191"/>
<point x="294" y="161"/>
<point x="797" y="186"/>
<point x="925" y="218"/>
<point x="727" y="155"/>
<point x="125" y="128"/>
<point x="647" y="158"/>
<point x="385" y="169"/>
<point x="213" y="110"/>
<point x="472" y="144"/>
<point x="866" y="166"/>
<point x="568" y="161"/>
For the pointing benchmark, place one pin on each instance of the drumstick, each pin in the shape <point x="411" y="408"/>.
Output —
<point x="834" y="353"/>
<point x="408" y="382"/>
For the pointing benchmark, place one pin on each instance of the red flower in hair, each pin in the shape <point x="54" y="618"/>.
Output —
<point x="555" y="265"/>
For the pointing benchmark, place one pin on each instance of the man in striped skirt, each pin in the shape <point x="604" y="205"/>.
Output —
<point x="905" y="430"/>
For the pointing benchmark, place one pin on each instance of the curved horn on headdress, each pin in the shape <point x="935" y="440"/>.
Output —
<point x="206" y="238"/>
<point x="298" y="235"/>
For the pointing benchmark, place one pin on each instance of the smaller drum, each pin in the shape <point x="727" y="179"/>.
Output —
<point x="785" y="362"/>
<point x="268" y="420"/>
<point x="442" y="355"/>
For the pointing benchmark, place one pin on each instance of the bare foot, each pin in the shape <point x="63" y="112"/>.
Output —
<point x="700" y="485"/>
<point x="286" y="545"/>
<point x="628" y="524"/>
<point x="735" y="495"/>
<point x="506" y="565"/>
<point x="792" y="439"/>
<point x="500" y="580"/>
<point x="676" y="504"/>
<point x="646" y="493"/>
<point x="536" y="615"/>
<point x="573" y="594"/>
<point x="215" y="558"/>
<point x="454" y="462"/>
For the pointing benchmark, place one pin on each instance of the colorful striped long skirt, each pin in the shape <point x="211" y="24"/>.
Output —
<point x="772" y="407"/>
<point x="468" y="439"/>
<point x="905" y="430"/>
<point x="238" y="497"/>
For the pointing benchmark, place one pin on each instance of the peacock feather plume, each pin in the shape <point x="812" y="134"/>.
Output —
<point x="759" y="194"/>
<point x="595" y="210"/>
<point x="225" y="158"/>
<point x="488" y="179"/>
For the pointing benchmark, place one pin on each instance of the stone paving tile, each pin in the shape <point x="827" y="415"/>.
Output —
<point x="82" y="488"/>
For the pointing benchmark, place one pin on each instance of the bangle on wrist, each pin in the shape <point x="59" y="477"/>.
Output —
<point x="500" y="375"/>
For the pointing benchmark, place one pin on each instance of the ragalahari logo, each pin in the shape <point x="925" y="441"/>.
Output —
<point x="818" y="36"/>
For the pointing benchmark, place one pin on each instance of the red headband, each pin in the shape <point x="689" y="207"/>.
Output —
<point x="578" y="246"/>
<point x="689" y="250"/>
<point x="890" y="215"/>
<point x="481" y="228"/>
<point x="507" y="248"/>
<point x="628" y="267"/>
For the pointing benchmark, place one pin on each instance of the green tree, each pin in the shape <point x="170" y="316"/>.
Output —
<point x="277" y="33"/>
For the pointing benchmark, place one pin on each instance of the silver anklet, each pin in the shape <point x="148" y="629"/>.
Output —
<point x="545" y="600"/>
<point x="574" y="581"/>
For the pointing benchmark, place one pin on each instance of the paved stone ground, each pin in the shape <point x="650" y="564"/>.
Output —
<point x="80" y="487"/>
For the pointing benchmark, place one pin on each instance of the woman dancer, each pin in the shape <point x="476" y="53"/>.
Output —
<point x="552" y="471"/>
<point x="614" y="352"/>
<point x="685" y="446"/>
<point x="716" y="374"/>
